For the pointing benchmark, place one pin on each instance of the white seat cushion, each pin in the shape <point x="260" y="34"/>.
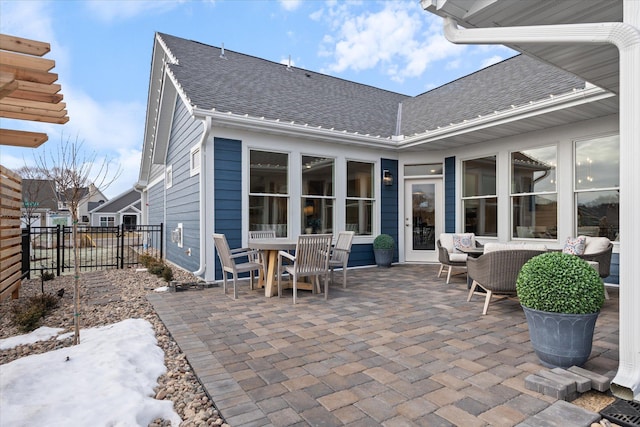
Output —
<point x="594" y="245"/>
<point x="457" y="257"/>
<point x="495" y="246"/>
<point x="446" y="240"/>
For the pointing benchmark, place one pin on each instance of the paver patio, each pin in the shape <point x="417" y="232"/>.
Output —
<point x="398" y="347"/>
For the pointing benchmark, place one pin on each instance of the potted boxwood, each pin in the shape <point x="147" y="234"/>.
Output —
<point x="561" y="295"/>
<point x="383" y="248"/>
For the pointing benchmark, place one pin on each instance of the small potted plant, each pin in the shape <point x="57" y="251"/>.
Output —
<point x="383" y="249"/>
<point x="561" y="295"/>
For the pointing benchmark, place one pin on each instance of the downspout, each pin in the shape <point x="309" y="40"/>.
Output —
<point x="206" y="131"/>
<point x="626" y="37"/>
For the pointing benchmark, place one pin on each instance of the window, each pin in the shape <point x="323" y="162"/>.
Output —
<point x="359" y="203"/>
<point x="479" y="196"/>
<point x="194" y="160"/>
<point x="534" y="199"/>
<point x="424" y="169"/>
<point x="317" y="199"/>
<point x="107" y="221"/>
<point x="597" y="187"/>
<point x="168" y="176"/>
<point x="268" y="191"/>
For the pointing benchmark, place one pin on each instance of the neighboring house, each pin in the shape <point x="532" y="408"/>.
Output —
<point x="536" y="148"/>
<point x="235" y="143"/>
<point x="124" y="209"/>
<point x="45" y="207"/>
<point x="38" y="199"/>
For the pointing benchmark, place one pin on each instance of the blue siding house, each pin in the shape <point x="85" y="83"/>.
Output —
<point x="235" y="143"/>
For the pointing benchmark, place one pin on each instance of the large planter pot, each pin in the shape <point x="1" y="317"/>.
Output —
<point x="384" y="257"/>
<point x="561" y="340"/>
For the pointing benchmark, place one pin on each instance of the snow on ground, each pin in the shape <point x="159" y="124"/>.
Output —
<point x="106" y="380"/>
<point x="43" y="333"/>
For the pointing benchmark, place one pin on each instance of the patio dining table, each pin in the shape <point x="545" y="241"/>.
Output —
<point x="271" y="247"/>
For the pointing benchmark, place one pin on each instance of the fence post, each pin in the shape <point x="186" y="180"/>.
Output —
<point x="161" y="240"/>
<point x="26" y="252"/>
<point x="121" y="248"/>
<point x="58" y="259"/>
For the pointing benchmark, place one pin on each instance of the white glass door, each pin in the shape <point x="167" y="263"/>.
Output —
<point x="422" y="219"/>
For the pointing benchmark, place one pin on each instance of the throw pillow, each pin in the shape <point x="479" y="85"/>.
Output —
<point x="462" y="241"/>
<point x="574" y="246"/>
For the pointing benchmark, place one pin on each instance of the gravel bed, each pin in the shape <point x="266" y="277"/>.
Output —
<point x="125" y="299"/>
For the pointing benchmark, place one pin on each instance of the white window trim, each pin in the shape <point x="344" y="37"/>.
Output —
<point x="194" y="167"/>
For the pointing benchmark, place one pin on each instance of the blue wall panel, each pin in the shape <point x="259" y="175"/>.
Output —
<point x="389" y="209"/>
<point x="183" y="197"/>
<point x="227" y="184"/>
<point x="450" y="195"/>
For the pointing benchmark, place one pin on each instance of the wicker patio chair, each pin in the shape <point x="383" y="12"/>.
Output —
<point x="602" y="257"/>
<point x="496" y="272"/>
<point x="448" y="258"/>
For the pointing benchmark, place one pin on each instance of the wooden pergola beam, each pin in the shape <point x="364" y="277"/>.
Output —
<point x="20" y="138"/>
<point x="33" y="117"/>
<point x="29" y="75"/>
<point x="28" y="90"/>
<point x="24" y="61"/>
<point x="8" y="84"/>
<point x="10" y="100"/>
<point x="36" y="112"/>
<point x="20" y="45"/>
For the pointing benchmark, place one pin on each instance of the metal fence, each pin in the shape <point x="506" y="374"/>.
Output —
<point x="51" y="249"/>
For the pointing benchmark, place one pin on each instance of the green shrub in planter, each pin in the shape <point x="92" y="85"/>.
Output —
<point x="560" y="283"/>
<point x="561" y="296"/>
<point x="383" y="241"/>
<point x="383" y="250"/>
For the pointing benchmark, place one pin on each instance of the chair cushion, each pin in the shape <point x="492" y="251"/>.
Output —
<point x="466" y="240"/>
<point x="495" y="246"/>
<point x="455" y="257"/>
<point x="446" y="240"/>
<point x="574" y="245"/>
<point x="593" y="245"/>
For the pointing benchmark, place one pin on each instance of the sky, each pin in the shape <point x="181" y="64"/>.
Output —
<point x="103" y="53"/>
<point x="107" y="379"/>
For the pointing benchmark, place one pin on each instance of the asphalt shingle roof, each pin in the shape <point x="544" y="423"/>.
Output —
<point x="244" y="84"/>
<point x="515" y="81"/>
<point x="119" y="203"/>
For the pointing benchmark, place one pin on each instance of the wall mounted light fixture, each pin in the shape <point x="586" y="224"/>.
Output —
<point x="387" y="178"/>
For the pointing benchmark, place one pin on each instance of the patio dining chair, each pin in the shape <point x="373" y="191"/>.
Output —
<point x="229" y="264"/>
<point x="340" y="254"/>
<point x="311" y="259"/>
<point x="257" y="235"/>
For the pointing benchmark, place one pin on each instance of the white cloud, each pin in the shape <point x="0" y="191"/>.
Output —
<point x="109" y="11"/>
<point x="290" y="5"/>
<point x="28" y="19"/>
<point x="401" y="39"/>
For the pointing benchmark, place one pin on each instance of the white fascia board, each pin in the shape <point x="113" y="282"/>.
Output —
<point x="553" y="103"/>
<point x="260" y="124"/>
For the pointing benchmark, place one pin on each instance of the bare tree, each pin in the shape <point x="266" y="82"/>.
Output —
<point x="72" y="170"/>
<point x="33" y="180"/>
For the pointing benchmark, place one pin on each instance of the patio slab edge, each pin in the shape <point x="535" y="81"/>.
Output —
<point x="201" y="359"/>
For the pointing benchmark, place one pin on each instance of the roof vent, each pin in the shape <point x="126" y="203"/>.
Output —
<point x="222" y="52"/>
<point x="289" y="64"/>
